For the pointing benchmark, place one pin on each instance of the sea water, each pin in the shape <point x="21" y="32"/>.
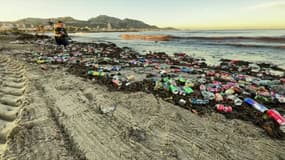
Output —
<point x="250" y="45"/>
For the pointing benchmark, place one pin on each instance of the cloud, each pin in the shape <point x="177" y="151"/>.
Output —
<point x="269" y="5"/>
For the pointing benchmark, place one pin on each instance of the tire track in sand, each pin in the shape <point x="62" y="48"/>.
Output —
<point x="12" y="88"/>
<point x="28" y="129"/>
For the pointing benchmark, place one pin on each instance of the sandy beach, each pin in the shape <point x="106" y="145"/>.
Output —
<point x="52" y="112"/>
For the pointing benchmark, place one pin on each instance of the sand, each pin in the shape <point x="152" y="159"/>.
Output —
<point x="62" y="116"/>
<point x="11" y="96"/>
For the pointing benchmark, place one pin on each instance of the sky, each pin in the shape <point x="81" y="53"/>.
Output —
<point x="184" y="14"/>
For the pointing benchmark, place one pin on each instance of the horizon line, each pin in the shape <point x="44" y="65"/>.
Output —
<point x="179" y="27"/>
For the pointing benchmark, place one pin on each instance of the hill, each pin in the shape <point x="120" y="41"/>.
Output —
<point x="99" y="22"/>
<point x="117" y="23"/>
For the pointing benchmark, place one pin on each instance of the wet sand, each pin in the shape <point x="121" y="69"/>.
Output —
<point x="60" y="117"/>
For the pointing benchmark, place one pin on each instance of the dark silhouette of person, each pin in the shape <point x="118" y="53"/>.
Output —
<point x="61" y="36"/>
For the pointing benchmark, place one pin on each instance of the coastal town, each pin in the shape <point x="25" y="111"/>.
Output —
<point x="101" y="23"/>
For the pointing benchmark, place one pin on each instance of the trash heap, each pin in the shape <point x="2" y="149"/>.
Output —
<point x="238" y="89"/>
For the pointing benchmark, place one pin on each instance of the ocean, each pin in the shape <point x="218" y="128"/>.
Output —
<point x="250" y="45"/>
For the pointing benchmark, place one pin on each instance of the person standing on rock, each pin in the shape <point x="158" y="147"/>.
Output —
<point x="60" y="34"/>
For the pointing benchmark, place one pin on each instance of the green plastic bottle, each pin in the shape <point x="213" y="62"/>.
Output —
<point x="188" y="90"/>
<point x="90" y="73"/>
<point x="181" y="79"/>
<point x="166" y="79"/>
<point x="173" y="89"/>
<point x="98" y="74"/>
<point x="189" y="83"/>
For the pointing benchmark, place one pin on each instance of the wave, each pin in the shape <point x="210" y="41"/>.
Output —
<point x="215" y="32"/>
<point x="237" y="38"/>
<point x="246" y="45"/>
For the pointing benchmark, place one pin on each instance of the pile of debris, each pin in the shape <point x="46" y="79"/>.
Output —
<point x="238" y="89"/>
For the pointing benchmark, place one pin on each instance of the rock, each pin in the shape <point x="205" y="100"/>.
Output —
<point x="44" y="67"/>
<point x="104" y="109"/>
<point x="138" y="135"/>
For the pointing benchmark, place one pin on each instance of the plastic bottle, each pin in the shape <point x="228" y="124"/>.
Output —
<point x="128" y="83"/>
<point x="238" y="102"/>
<point x="176" y="70"/>
<point x="208" y="95"/>
<point x="218" y="97"/>
<point x="189" y="83"/>
<point x="249" y="79"/>
<point x="230" y="91"/>
<point x="166" y="79"/>
<point x="217" y="83"/>
<point x="202" y="80"/>
<point x="117" y="83"/>
<point x="186" y="70"/>
<point x="90" y="72"/>
<point x="116" y="68"/>
<point x="181" y="79"/>
<point x="99" y="74"/>
<point x="280" y="98"/>
<point x="222" y="108"/>
<point x="217" y="75"/>
<point x="231" y="97"/>
<point x="235" y="99"/>
<point x="211" y="73"/>
<point x="276" y="116"/>
<point x="240" y="69"/>
<point x="130" y="78"/>
<point x="256" y="105"/>
<point x="182" y="102"/>
<point x="275" y="82"/>
<point x="50" y="60"/>
<point x="199" y="101"/>
<point x="41" y="61"/>
<point x="214" y="88"/>
<point x="264" y="93"/>
<point x="96" y="74"/>
<point x="240" y="77"/>
<point x="181" y="91"/>
<point x="254" y="68"/>
<point x="188" y="90"/>
<point x="202" y="87"/>
<point x="237" y="89"/>
<point x="142" y="60"/>
<point x="173" y="89"/>
<point x="262" y="98"/>
<point x="35" y="54"/>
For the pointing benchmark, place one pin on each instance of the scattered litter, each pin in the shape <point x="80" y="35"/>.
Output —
<point x="238" y="89"/>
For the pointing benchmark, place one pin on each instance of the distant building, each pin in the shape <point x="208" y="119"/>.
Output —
<point x="48" y="27"/>
<point x="6" y="26"/>
<point x="109" y="26"/>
